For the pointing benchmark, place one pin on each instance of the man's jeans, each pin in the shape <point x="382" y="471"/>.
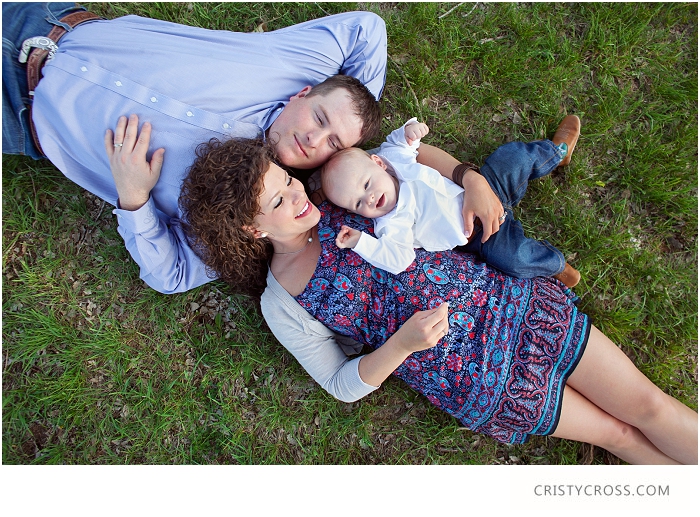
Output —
<point x="19" y="22"/>
<point x="508" y="170"/>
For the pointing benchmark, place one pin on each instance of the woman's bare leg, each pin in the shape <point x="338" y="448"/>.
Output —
<point x="583" y="421"/>
<point x="607" y="378"/>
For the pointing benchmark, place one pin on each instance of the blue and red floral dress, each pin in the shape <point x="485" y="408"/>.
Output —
<point x="501" y="369"/>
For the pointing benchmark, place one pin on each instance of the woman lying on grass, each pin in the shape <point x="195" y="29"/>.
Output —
<point x="507" y="357"/>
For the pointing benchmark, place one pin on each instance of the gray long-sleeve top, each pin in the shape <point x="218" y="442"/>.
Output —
<point x="322" y="353"/>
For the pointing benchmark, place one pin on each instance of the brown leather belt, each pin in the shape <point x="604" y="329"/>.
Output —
<point x="37" y="58"/>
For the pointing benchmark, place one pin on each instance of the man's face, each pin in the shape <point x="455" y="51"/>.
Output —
<point x="361" y="184"/>
<point x="310" y="129"/>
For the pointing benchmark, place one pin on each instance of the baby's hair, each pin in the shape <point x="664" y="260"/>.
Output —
<point x="336" y="159"/>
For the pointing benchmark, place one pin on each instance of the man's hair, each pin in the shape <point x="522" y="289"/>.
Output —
<point x="364" y="105"/>
<point x="219" y="200"/>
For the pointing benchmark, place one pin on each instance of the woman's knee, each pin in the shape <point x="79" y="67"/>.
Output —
<point x="618" y="436"/>
<point x="651" y="405"/>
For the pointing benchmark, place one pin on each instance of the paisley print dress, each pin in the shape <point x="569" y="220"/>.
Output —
<point x="512" y="343"/>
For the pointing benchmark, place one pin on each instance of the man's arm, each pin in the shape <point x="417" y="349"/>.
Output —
<point x="352" y="43"/>
<point x="479" y="199"/>
<point x="167" y="263"/>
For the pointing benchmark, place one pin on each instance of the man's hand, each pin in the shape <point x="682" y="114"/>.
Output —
<point x="347" y="237"/>
<point x="480" y="201"/>
<point x="133" y="175"/>
<point x="415" y="131"/>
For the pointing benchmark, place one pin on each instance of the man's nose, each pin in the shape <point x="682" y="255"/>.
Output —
<point x="315" y="138"/>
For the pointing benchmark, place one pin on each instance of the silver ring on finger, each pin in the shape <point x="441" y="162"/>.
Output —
<point x="502" y="218"/>
<point x="118" y="145"/>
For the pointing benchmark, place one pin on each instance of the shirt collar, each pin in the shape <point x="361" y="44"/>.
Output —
<point x="271" y="116"/>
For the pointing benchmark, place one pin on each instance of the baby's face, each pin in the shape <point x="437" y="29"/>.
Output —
<point x="362" y="185"/>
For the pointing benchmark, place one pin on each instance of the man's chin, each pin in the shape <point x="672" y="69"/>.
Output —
<point x="288" y="159"/>
<point x="292" y="158"/>
<point x="298" y="163"/>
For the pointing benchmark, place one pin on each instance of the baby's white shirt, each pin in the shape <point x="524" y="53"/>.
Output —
<point x="428" y="212"/>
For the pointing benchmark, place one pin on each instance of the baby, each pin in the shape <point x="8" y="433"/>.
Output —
<point x="413" y="206"/>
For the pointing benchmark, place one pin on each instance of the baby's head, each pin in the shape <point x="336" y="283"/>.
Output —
<point x="356" y="181"/>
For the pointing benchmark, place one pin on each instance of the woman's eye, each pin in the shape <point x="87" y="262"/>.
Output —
<point x="366" y="185"/>
<point x="333" y="144"/>
<point x="357" y="206"/>
<point x="277" y="205"/>
<point x="289" y="180"/>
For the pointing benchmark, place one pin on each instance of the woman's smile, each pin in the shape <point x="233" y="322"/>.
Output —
<point x="305" y="211"/>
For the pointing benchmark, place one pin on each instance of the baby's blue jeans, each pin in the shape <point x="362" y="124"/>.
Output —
<point x="509" y="170"/>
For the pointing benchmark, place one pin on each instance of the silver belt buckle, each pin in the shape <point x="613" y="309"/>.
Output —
<point x="38" y="42"/>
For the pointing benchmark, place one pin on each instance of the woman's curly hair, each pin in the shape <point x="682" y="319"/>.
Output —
<point x="219" y="200"/>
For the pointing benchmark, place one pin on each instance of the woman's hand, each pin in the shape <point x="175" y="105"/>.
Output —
<point x="133" y="175"/>
<point x="423" y="330"/>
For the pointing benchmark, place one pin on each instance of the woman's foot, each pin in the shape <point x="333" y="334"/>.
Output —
<point x="567" y="134"/>
<point x="570" y="277"/>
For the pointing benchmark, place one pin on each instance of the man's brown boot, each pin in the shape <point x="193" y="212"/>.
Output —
<point x="569" y="277"/>
<point x="568" y="133"/>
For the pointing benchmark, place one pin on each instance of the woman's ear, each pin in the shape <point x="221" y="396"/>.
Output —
<point x="258" y="234"/>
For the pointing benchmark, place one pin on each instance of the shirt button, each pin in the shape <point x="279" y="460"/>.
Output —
<point x="153" y="99"/>
<point x="190" y="114"/>
<point x="226" y="126"/>
<point x="118" y="83"/>
<point x="84" y="69"/>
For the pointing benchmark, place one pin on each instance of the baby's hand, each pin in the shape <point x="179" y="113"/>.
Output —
<point x="347" y="237"/>
<point x="415" y="131"/>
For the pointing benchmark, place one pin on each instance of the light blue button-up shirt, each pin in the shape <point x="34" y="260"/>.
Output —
<point x="191" y="84"/>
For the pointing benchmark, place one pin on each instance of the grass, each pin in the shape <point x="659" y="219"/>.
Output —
<point x="99" y="369"/>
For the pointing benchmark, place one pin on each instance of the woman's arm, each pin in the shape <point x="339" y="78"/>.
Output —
<point x="312" y="344"/>
<point x="422" y="330"/>
<point x="319" y="352"/>
<point x="479" y="200"/>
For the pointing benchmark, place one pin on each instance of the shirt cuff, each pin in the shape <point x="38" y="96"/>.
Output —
<point x="138" y="221"/>
<point x="361" y="387"/>
<point x="366" y="246"/>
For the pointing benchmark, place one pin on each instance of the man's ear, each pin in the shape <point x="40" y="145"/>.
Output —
<point x="378" y="160"/>
<point x="303" y="93"/>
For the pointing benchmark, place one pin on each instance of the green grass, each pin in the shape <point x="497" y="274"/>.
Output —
<point x="98" y="368"/>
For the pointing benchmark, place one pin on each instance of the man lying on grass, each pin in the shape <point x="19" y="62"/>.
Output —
<point x="192" y="84"/>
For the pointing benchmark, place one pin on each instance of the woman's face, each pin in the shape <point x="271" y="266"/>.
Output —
<point x="286" y="211"/>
